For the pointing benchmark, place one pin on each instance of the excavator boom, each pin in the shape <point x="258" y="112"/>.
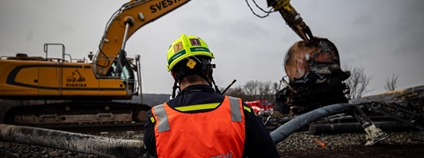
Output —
<point x="124" y="23"/>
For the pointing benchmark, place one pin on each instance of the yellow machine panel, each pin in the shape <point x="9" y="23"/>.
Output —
<point x="56" y="80"/>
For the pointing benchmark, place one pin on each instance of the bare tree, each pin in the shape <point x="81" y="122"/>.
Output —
<point x="357" y="82"/>
<point x="266" y="91"/>
<point x="251" y="89"/>
<point x="390" y="84"/>
<point x="236" y="92"/>
<point x="263" y="89"/>
<point x="254" y="90"/>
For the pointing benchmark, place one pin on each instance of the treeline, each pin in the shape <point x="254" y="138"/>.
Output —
<point x="254" y="90"/>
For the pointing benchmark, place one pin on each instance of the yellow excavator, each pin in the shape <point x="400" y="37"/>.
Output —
<point x="74" y="92"/>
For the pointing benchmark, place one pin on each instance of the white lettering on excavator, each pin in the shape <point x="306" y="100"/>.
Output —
<point x="226" y="155"/>
<point x="76" y="85"/>
<point x="162" y="5"/>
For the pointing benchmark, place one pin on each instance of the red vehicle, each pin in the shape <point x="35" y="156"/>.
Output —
<point x="261" y="107"/>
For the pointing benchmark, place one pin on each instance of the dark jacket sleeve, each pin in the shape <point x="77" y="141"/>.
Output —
<point x="258" y="139"/>
<point x="149" y="135"/>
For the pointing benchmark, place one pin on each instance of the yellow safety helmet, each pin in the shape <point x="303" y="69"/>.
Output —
<point x="187" y="46"/>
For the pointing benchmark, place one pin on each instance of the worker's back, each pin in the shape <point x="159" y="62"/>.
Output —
<point x="255" y="139"/>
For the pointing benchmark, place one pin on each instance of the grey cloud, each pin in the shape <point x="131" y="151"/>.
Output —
<point x="362" y="20"/>
<point x="29" y="35"/>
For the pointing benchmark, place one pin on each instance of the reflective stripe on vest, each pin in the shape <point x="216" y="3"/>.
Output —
<point x="198" y="107"/>
<point x="216" y="133"/>
<point x="235" y="109"/>
<point x="164" y="125"/>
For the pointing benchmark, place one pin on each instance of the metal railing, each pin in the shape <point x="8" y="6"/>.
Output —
<point x="46" y="50"/>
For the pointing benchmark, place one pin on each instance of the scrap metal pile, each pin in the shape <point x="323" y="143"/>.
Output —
<point x="394" y="110"/>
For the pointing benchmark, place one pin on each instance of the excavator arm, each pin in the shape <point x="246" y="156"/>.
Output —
<point x="292" y="18"/>
<point x="125" y="22"/>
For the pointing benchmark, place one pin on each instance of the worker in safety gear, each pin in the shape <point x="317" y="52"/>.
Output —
<point x="199" y="121"/>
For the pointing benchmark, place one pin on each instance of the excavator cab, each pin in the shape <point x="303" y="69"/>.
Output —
<point x="128" y="74"/>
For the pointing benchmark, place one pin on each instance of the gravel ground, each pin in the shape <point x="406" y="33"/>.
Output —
<point x="401" y="144"/>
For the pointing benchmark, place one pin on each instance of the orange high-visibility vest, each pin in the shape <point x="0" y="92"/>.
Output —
<point x="217" y="133"/>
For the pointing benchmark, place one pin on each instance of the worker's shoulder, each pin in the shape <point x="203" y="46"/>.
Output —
<point x="246" y="108"/>
<point x="150" y="111"/>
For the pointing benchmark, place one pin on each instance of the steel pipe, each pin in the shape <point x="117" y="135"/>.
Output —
<point x="300" y="121"/>
<point x="82" y="143"/>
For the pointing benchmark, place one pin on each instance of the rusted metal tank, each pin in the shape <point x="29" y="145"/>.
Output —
<point x="303" y="58"/>
<point x="315" y="77"/>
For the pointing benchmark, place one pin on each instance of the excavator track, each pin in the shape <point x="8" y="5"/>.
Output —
<point x="89" y="116"/>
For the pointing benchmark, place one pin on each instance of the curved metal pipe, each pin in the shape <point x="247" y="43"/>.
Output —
<point x="298" y="122"/>
<point x="82" y="143"/>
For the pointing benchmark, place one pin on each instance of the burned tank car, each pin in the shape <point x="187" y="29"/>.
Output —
<point x="315" y="78"/>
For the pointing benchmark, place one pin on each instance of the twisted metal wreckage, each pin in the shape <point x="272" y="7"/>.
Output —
<point x="394" y="110"/>
<point x="320" y="63"/>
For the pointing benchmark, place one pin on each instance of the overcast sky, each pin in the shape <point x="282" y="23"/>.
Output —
<point x="383" y="36"/>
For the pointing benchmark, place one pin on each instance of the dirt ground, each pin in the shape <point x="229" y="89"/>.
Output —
<point x="377" y="151"/>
